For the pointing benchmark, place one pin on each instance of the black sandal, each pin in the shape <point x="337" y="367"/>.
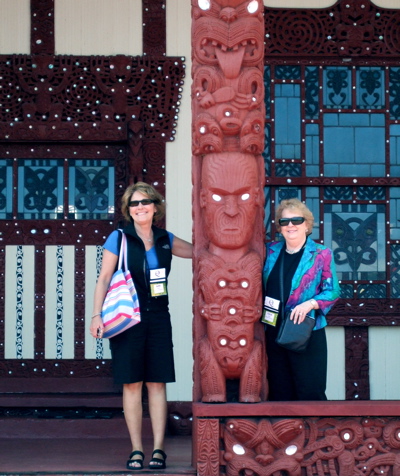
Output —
<point x="138" y="461"/>
<point x="158" y="463"/>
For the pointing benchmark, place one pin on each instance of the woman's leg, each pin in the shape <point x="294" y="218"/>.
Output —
<point x="310" y="368"/>
<point x="279" y="376"/>
<point x="133" y="412"/>
<point x="158" y="412"/>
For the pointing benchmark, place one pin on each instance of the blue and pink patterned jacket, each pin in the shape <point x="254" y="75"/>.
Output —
<point x="315" y="278"/>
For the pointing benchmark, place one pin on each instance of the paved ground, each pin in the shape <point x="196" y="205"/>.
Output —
<point x="79" y="456"/>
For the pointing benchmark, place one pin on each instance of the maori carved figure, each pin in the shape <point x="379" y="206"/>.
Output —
<point x="325" y="446"/>
<point x="228" y="134"/>
<point x="229" y="278"/>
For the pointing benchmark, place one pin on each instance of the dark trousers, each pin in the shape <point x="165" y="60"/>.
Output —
<point x="294" y="376"/>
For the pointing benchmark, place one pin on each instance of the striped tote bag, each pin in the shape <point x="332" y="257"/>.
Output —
<point x="120" y="309"/>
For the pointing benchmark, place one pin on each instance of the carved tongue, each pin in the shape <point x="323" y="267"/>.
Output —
<point x="230" y="61"/>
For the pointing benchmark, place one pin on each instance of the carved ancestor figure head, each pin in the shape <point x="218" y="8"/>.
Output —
<point x="230" y="197"/>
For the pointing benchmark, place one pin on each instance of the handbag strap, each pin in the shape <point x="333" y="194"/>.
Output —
<point x="122" y="252"/>
<point x="281" y="280"/>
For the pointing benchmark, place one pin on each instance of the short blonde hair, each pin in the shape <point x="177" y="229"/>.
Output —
<point x="295" y="204"/>
<point x="150" y="192"/>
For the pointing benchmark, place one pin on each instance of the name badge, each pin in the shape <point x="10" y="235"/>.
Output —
<point x="270" y="311"/>
<point x="158" y="282"/>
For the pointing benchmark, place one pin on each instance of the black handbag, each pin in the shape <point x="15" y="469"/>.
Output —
<point x="295" y="337"/>
<point x="291" y="336"/>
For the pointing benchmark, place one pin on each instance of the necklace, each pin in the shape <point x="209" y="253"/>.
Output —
<point x="296" y="250"/>
<point x="145" y="239"/>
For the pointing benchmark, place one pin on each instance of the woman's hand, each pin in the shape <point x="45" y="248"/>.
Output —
<point x="97" y="327"/>
<point x="299" y="312"/>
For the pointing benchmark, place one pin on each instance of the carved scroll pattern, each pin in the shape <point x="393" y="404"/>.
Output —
<point x="349" y="28"/>
<point x="228" y="117"/>
<point x="88" y="98"/>
<point x="326" y="446"/>
<point x="208" y="447"/>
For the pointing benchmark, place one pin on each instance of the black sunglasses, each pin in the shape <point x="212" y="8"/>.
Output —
<point x="293" y="220"/>
<point x="145" y="201"/>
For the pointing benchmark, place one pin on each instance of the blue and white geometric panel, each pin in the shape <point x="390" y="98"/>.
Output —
<point x="94" y="348"/>
<point x="357" y="237"/>
<point x="60" y="302"/>
<point x="19" y="302"/>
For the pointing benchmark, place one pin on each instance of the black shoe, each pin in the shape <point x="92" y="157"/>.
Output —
<point x="158" y="463"/>
<point x="138" y="462"/>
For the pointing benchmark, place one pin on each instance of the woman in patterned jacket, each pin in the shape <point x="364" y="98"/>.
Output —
<point x="309" y="287"/>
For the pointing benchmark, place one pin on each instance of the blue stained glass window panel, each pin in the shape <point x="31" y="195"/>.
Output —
<point x="337" y="87"/>
<point x="395" y="271"/>
<point x="354" y="147"/>
<point x="40" y="189"/>
<point x="267" y="215"/>
<point x="370" y="88"/>
<point x="312" y="92"/>
<point x="394" y="150"/>
<point x="287" y="120"/>
<point x="267" y="149"/>
<point x="338" y="145"/>
<point x="394" y="93"/>
<point x="91" y="189"/>
<point x="394" y="210"/>
<point x="287" y="72"/>
<point x="371" y="291"/>
<point x="356" y="234"/>
<point x="312" y="150"/>
<point x="312" y="201"/>
<point x="284" y="193"/>
<point x="267" y="93"/>
<point x="6" y="174"/>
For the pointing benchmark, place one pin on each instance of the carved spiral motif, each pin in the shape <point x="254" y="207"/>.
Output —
<point x="296" y="32"/>
<point x="153" y="154"/>
<point x="392" y="33"/>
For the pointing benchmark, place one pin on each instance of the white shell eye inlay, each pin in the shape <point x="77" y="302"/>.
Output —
<point x="204" y="4"/>
<point x="291" y="450"/>
<point x="252" y="7"/>
<point x="238" y="449"/>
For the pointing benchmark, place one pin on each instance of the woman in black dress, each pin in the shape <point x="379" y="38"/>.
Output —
<point x="143" y="353"/>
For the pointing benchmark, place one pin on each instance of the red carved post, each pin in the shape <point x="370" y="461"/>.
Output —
<point x="228" y="180"/>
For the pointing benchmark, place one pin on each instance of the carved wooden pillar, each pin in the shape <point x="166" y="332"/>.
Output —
<point x="228" y="180"/>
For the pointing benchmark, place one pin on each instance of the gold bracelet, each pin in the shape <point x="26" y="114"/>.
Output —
<point x="94" y="315"/>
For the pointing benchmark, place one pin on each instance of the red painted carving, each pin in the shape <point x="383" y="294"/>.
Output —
<point x="324" y="446"/>
<point x="207" y="449"/>
<point x="230" y="277"/>
<point x="228" y="114"/>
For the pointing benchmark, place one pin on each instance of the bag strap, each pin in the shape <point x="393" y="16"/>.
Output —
<point x="122" y="250"/>
<point x="282" y="258"/>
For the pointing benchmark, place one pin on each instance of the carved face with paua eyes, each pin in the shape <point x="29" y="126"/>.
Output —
<point x="180" y="418"/>
<point x="230" y="198"/>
